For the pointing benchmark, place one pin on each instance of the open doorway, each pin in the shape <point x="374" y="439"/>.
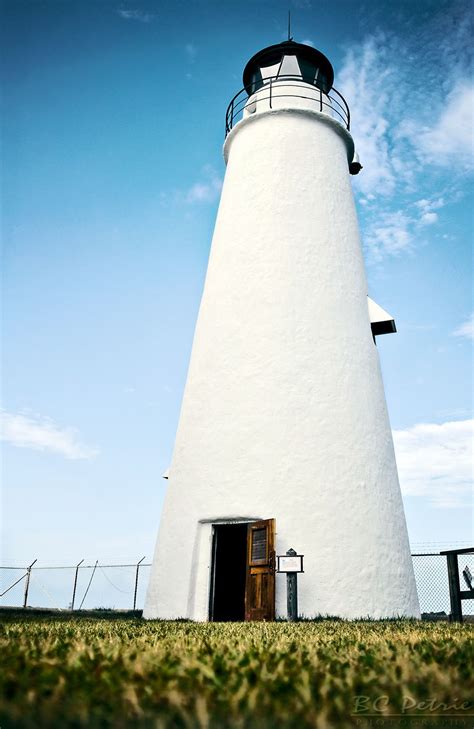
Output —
<point x="229" y="571"/>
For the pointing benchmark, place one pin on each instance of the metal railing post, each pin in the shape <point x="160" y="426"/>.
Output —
<point x="27" y="585"/>
<point x="75" y="583"/>
<point x="271" y="107"/>
<point x="136" y="583"/>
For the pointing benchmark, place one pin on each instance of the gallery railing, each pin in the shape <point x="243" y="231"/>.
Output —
<point x="276" y="88"/>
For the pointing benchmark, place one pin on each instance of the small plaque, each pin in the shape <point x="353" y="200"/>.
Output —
<point x="286" y="563"/>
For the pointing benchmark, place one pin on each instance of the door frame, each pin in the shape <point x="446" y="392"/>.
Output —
<point x="212" y="571"/>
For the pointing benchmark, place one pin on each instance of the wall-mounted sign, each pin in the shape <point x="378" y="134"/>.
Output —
<point x="286" y="563"/>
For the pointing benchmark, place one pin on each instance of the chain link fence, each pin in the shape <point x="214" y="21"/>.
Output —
<point x="97" y="587"/>
<point x="123" y="586"/>
<point x="431" y="575"/>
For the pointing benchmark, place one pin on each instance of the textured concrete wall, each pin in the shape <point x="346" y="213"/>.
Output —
<point x="284" y="412"/>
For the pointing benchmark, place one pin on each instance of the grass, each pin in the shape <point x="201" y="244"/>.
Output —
<point x="92" y="672"/>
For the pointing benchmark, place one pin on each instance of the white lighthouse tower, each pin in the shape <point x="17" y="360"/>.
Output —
<point x="284" y="438"/>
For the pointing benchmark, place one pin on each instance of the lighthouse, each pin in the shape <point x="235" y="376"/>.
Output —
<point x="284" y="439"/>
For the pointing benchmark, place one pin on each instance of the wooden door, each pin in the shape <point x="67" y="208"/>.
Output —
<point x="260" y="584"/>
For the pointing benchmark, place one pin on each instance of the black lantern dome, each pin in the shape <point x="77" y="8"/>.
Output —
<point x="288" y="60"/>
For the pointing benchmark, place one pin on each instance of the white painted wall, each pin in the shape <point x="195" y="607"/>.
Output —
<point x="284" y="412"/>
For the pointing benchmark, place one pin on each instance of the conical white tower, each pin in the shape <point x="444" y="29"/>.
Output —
<point x="284" y="438"/>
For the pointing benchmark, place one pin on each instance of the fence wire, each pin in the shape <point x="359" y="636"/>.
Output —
<point x="112" y="587"/>
<point x="431" y="576"/>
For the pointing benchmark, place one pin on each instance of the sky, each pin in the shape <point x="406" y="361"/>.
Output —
<point x="112" y="129"/>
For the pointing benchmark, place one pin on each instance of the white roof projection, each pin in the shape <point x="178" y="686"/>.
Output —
<point x="380" y="320"/>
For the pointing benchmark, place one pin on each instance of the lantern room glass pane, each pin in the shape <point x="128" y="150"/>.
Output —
<point x="312" y="74"/>
<point x="290" y="67"/>
<point x="270" y="71"/>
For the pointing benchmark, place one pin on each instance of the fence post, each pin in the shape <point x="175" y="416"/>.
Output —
<point x="27" y="585"/>
<point x="136" y="583"/>
<point x="454" y="588"/>
<point x="292" y="592"/>
<point x="75" y="583"/>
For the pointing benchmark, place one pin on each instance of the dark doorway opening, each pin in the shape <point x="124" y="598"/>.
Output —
<point x="229" y="572"/>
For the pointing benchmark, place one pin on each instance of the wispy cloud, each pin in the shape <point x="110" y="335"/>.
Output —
<point x="427" y="206"/>
<point x="43" y="434"/>
<point x="409" y="125"/>
<point x="390" y="233"/>
<point x="191" y="51"/>
<point x="206" y="189"/>
<point x="140" y="16"/>
<point x="366" y="80"/>
<point x="450" y="140"/>
<point x="435" y="461"/>
<point x="466" y="329"/>
<point x="446" y="140"/>
<point x="429" y="218"/>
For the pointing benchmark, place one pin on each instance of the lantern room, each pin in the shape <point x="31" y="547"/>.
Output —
<point x="288" y="61"/>
<point x="288" y="75"/>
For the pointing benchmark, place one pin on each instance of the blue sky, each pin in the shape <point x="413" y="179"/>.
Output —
<point x="113" y="127"/>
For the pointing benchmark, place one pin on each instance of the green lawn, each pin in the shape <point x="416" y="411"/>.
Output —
<point x="85" y="672"/>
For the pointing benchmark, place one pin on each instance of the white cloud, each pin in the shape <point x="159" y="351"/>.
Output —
<point x="466" y="329"/>
<point x="435" y="461"/>
<point x="407" y="115"/>
<point x="389" y="233"/>
<point x="426" y="206"/>
<point x="42" y="434"/>
<point x="368" y="84"/>
<point x="207" y="189"/>
<point x="429" y="218"/>
<point x="191" y="51"/>
<point x="139" y="15"/>
<point x="450" y="140"/>
<point x="408" y="126"/>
